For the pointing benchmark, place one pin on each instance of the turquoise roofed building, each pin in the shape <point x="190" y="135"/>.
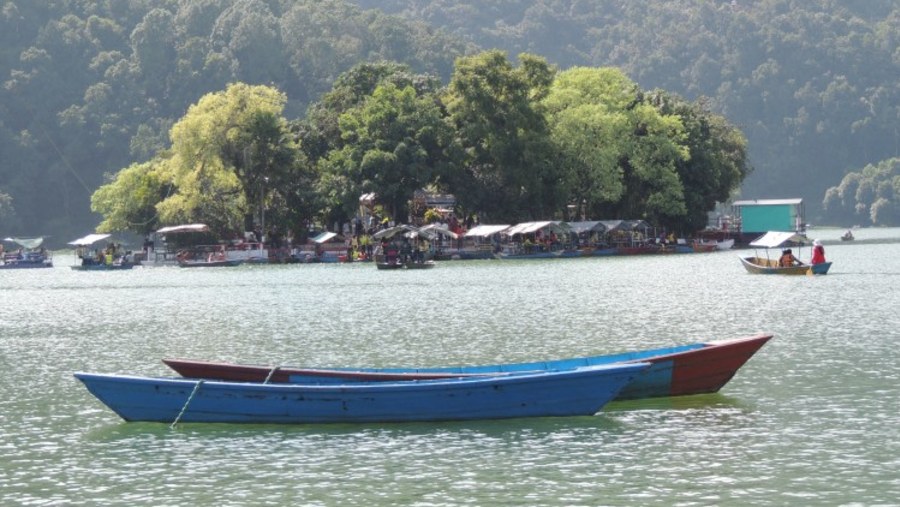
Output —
<point x="758" y="216"/>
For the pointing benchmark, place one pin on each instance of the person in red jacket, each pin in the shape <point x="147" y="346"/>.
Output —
<point x="818" y="256"/>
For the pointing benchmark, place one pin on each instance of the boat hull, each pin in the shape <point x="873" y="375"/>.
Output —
<point x="762" y="266"/>
<point x="420" y="265"/>
<point x="210" y="264"/>
<point x="26" y="265"/>
<point x="695" y="368"/>
<point x="566" y="393"/>
<point x="103" y="267"/>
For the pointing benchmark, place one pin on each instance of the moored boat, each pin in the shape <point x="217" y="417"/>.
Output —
<point x="112" y="258"/>
<point x="30" y="254"/>
<point x="725" y="244"/>
<point x="582" y="391"/>
<point x="695" y="368"/>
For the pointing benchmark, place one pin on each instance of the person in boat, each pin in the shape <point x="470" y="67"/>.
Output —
<point x="818" y="255"/>
<point x="405" y="251"/>
<point x="848" y="234"/>
<point x="787" y="259"/>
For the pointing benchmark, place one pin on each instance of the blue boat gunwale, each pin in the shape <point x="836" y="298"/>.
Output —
<point x="397" y="385"/>
<point x="548" y="365"/>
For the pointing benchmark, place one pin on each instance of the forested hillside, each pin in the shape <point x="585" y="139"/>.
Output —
<point x="813" y="84"/>
<point x="92" y="87"/>
<point x="89" y="87"/>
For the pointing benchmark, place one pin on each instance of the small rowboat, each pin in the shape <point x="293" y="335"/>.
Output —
<point x="767" y="264"/>
<point x="702" y="367"/>
<point x="581" y="391"/>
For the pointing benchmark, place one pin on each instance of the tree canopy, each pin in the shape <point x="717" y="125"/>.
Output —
<point x="869" y="196"/>
<point x="513" y="142"/>
<point x="229" y="152"/>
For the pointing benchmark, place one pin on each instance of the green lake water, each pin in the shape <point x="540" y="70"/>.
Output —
<point x="812" y="419"/>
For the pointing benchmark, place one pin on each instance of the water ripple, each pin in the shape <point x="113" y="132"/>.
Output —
<point x="809" y="420"/>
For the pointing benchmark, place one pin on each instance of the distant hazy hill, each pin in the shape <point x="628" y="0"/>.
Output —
<point x="90" y="87"/>
<point x="814" y="85"/>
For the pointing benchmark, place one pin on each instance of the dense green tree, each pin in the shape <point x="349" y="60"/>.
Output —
<point x="128" y="202"/>
<point x="620" y="154"/>
<point x="393" y="142"/>
<point x="229" y="152"/>
<point x="716" y="163"/>
<point x="508" y="170"/>
<point x="336" y="136"/>
<point x="248" y="35"/>
<point x="653" y="190"/>
<point x="587" y="111"/>
<point x="153" y="50"/>
<point x="224" y="149"/>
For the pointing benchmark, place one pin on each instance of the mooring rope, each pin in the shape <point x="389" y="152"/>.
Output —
<point x="271" y="372"/>
<point x="188" y="402"/>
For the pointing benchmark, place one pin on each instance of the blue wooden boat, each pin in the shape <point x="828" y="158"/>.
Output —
<point x="581" y="391"/>
<point x="695" y="368"/>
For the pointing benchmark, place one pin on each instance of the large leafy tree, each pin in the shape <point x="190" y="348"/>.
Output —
<point x="228" y="153"/>
<point x="717" y="161"/>
<point x="394" y="141"/>
<point x="619" y="153"/>
<point x="508" y="171"/>
<point x="128" y="202"/>
<point x="653" y="189"/>
<point x="377" y="130"/>
<point x="586" y="110"/>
